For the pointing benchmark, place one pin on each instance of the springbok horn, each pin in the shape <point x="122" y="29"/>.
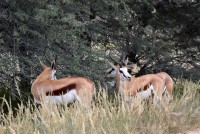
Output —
<point x="55" y="58"/>
<point x="55" y="61"/>
<point x="123" y="56"/>
<point x="53" y="64"/>
<point x="114" y="60"/>
<point x="124" y="61"/>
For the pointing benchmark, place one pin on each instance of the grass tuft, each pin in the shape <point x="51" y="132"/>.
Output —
<point x="107" y="116"/>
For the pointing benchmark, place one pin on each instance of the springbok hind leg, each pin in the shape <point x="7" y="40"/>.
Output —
<point x="85" y="101"/>
<point x="161" y="104"/>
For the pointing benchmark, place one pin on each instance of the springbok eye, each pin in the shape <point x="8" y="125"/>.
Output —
<point x="122" y="73"/>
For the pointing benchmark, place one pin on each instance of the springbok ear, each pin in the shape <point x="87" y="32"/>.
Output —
<point x="43" y="65"/>
<point x="130" y="66"/>
<point x="108" y="70"/>
<point x="126" y="61"/>
<point x="53" y="65"/>
<point x="134" y="68"/>
<point x="112" y="65"/>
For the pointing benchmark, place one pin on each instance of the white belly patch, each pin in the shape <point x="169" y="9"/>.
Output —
<point x="145" y="94"/>
<point x="67" y="98"/>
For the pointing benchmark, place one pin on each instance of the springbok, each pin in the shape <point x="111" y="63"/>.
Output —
<point x="137" y="87"/>
<point x="169" y="83"/>
<point x="46" y="88"/>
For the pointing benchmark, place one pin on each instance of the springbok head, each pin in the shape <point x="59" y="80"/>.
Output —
<point x="119" y="68"/>
<point x="48" y="72"/>
<point x="111" y="72"/>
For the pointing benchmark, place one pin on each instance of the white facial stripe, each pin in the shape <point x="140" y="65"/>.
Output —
<point x="111" y="72"/>
<point x="124" y="72"/>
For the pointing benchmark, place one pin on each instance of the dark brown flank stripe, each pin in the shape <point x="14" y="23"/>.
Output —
<point x="62" y="91"/>
<point x="144" y="88"/>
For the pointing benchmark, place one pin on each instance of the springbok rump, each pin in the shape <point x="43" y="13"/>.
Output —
<point x="169" y="83"/>
<point x="137" y="87"/>
<point x="46" y="88"/>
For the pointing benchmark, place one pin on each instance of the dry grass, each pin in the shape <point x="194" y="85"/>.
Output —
<point x="108" y="116"/>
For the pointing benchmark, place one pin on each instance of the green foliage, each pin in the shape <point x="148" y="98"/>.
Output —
<point x="157" y="35"/>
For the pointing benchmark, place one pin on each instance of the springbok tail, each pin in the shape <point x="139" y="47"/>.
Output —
<point x="94" y="88"/>
<point x="165" y="91"/>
